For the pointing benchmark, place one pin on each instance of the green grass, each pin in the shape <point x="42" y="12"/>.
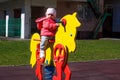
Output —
<point x="18" y="53"/>
<point x="14" y="52"/>
<point x="90" y="50"/>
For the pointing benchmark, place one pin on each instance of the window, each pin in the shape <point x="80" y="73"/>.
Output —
<point x="17" y="13"/>
<point x="84" y="12"/>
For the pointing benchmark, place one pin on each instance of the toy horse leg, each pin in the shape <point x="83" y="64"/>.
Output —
<point x="58" y="71"/>
<point x="38" y="64"/>
<point x="67" y="72"/>
<point x="39" y="70"/>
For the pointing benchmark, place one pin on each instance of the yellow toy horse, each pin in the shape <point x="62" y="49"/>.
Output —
<point x="56" y="55"/>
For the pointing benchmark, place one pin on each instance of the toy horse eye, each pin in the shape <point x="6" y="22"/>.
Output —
<point x="71" y="35"/>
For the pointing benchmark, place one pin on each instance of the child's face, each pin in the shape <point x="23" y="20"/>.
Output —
<point x="50" y="16"/>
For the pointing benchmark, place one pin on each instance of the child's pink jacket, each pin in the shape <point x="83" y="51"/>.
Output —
<point x="47" y="26"/>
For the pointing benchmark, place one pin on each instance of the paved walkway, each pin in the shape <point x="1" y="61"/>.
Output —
<point x="95" y="70"/>
<point x="98" y="70"/>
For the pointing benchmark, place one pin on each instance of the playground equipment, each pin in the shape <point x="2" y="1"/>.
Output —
<point x="56" y="54"/>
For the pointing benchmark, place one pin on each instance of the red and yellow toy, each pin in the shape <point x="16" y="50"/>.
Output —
<point x="56" y="55"/>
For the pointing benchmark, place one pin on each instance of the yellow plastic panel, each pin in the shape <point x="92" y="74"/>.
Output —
<point x="34" y="41"/>
<point x="66" y="35"/>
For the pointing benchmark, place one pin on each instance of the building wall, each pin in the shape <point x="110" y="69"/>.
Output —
<point x="85" y="16"/>
<point x="63" y="8"/>
<point x="25" y="6"/>
<point x="9" y="6"/>
<point x="66" y="7"/>
<point x="1" y="14"/>
<point x="45" y="3"/>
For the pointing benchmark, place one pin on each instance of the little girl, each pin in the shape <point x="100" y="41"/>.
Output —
<point x="48" y="27"/>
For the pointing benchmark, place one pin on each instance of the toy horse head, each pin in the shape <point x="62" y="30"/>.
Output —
<point x="66" y="34"/>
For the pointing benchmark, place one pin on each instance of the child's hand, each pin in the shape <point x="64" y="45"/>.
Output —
<point x="57" y="24"/>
